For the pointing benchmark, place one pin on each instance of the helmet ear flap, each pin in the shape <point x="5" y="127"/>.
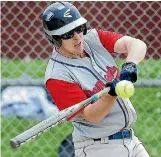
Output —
<point x="85" y="30"/>
<point x="56" y="41"/>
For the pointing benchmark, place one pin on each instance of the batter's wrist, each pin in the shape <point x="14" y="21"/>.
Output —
<point x="128" y="65"/>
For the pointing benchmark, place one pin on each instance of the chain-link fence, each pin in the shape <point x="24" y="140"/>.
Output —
<point x="25" y="52"/>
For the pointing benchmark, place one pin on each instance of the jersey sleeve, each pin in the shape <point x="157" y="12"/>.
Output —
<point x="108" y="39"/>
<point x="65" y="94"/>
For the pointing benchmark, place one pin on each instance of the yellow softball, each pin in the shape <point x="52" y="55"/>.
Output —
<point x="125" y="89"/>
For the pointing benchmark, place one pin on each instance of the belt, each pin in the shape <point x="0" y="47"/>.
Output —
<point x="118" y="135"/>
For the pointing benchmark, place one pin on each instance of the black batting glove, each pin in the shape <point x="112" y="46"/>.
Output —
<point x="112" y="86"/>
<point x="129" y="72"/>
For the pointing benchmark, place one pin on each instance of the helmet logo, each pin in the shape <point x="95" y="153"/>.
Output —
<point x="67" y="13"/>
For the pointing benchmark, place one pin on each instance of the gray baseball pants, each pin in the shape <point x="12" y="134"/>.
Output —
<point x="111" y="148"/>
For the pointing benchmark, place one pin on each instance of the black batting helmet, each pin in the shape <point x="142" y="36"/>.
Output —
<point x="60" y="18"/>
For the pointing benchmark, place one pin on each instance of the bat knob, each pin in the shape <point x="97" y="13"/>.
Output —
<point x="14" y="143"/>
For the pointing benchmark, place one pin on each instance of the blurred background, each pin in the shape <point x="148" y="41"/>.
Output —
<point x="25" y="53"/>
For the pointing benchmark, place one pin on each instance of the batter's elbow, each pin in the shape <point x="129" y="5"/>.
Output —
<point x="142" y="44"/>
<point x="95" y="120"/>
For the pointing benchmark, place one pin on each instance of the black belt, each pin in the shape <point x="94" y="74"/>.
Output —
<point x="118" y="135"/>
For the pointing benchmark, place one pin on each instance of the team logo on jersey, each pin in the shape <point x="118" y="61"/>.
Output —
<point x="67" y="13"/>
<point x="111" y="73"/>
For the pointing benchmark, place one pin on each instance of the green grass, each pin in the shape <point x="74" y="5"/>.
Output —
<point x="149" y="69"/>
<point x="15" y="68"/>
<point x="148" y="126"/>
<point x="45" y="146"/>
<point x="146" y="102"/>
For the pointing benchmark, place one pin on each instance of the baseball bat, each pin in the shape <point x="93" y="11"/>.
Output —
<point x="52" y="121"/>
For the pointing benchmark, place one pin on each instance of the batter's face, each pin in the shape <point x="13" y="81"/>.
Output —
<point x="75" y="44"/>
<point x="72" y="42"/>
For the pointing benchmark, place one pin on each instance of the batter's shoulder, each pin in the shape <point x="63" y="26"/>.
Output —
<point x="92" y="37"/>
<point x="56" y="70"/>
<point x="91" y="32"/>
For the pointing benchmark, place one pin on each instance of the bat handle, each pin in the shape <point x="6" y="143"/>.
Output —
<point x="96" y="96"/>
<point x="104" y="91"/>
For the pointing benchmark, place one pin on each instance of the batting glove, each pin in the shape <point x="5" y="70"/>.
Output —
<point x="129" y="72"/>
<point x="112" y="86"/>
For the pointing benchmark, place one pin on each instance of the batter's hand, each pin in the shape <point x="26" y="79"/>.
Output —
<point x="129" y="72"/>
<point x="112" y="86"/>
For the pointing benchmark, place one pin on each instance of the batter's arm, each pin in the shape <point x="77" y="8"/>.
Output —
<point x="135" y="48"/>
<point x="97" y="111"/>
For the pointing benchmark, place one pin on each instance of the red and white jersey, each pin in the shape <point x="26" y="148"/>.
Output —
<point x="70" y="81"/>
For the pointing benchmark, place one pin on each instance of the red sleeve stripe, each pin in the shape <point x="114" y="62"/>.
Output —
<point x="65" y="94"/>
<point x="108" y="39"/>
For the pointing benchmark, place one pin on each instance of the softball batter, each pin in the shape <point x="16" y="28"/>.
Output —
<point x="81" y="65"/>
